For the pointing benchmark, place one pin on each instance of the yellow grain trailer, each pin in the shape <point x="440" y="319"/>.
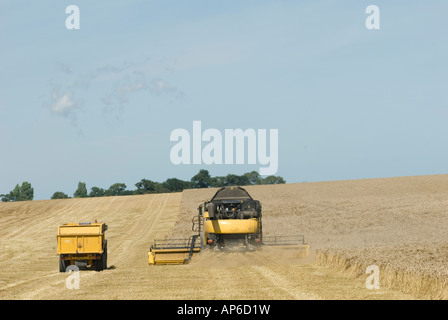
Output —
<point x="83" y="242"/>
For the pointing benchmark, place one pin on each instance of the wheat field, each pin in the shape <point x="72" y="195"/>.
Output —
<point x="397" y="224"/>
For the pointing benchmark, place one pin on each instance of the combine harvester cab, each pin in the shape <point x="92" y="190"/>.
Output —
<point x="231" y="221"/>
<point x="82" y="244"/>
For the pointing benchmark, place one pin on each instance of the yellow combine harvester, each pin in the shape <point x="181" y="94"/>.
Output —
<point x="82" y="244"/>
<point x="230" y="221"/>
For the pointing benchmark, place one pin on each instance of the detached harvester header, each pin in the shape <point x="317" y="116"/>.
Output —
<point x="230" y="221"/>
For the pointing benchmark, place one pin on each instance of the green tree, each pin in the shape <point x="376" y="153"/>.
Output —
<point x="117" y="189"/>
<point x="176" y="185"/>
<point x="145" y="186"/>
<point x="96" y="192"/>
<point x="59" y="195"/>
<point x="235" y="180"/>
<point x="16" y="193"/>
<point x="272" y="180"/>
<point x="6" y="197"/>
<point x="201" y="180"/>
<point x="217" y="181"/>
<point x="81" y="192"/>
<point x="160" y="187"/>
<point x="253" y="177"/>
<point x="25" y="192"/>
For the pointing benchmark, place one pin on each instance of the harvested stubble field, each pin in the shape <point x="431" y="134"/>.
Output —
<point x="395" y="223"/>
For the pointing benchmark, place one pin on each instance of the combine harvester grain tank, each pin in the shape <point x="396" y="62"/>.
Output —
<point x="231" y="221"/>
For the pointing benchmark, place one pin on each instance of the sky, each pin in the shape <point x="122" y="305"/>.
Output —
<point x="98" y="104"/>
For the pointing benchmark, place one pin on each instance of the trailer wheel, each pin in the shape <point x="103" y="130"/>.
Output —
<point x="99" y="264"/>
<point x="62" y="265"/>
<point x="104" y="257"/>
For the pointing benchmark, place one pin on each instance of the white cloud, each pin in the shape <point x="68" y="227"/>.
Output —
<point x="63" y="105"/>
<point x="133" y="83"/>
<point x="160" y="86"/>
<point x="115" y="85"/>
<point x="120" y="94"/>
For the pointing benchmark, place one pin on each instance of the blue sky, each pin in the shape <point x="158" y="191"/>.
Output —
<point x="98" y="104"/>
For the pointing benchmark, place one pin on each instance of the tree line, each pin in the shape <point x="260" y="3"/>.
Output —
<point x="202" y="179"/>
<point x="22" y="192"/>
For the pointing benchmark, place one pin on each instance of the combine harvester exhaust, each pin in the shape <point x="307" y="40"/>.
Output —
<point x="230" y="221"/>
